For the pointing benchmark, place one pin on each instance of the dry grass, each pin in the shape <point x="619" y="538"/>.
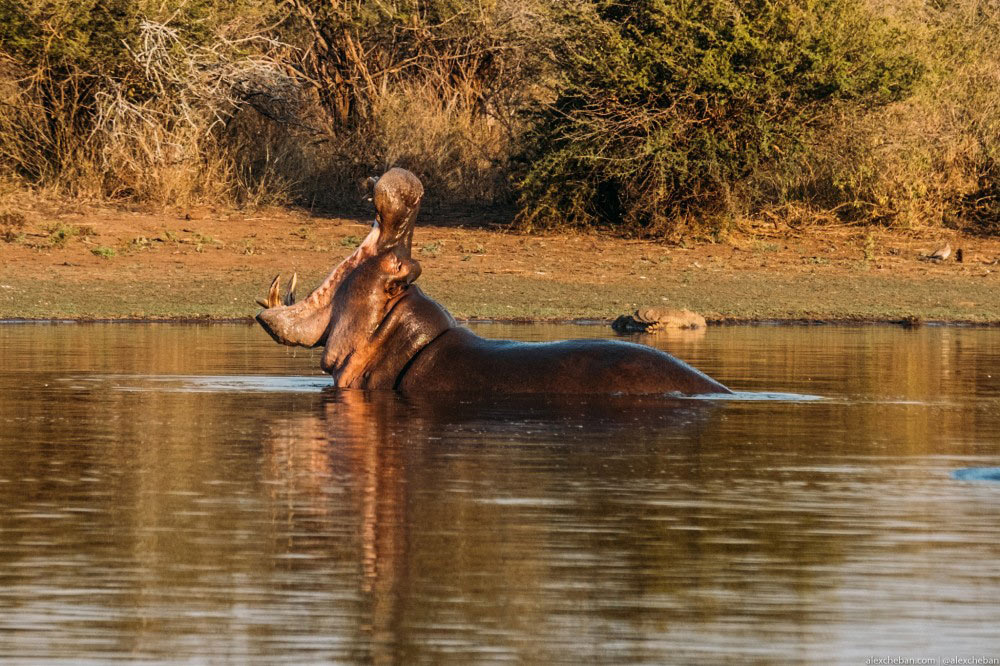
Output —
<point x="463" y="154"/>
<point x="184" y="142"/>
<point x="930" y="159"/>
<point x="188" y="130"/>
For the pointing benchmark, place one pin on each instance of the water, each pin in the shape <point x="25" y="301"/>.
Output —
<point x="194" y="494"/>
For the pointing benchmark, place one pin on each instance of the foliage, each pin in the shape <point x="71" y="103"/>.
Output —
<point x="476" y="52"/>
<point x="670" y="110"/>
<point x="436" y="86"/>
<point x="129" y="99"/>
<point x="85" y="35"/>
<point x="934" y="157"/>
<point x="645" y="115"/>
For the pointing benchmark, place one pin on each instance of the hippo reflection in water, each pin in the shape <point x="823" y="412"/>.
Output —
<point x="380" y="331"/>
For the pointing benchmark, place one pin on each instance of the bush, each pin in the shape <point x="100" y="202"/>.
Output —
<point x="647" y="115"/>
<point x="932" y="158"/>
<point x="436" y="86"/>
<point x="53" y="58"/>
<point x="133" y="99"/>
<point x="704" y="110"/>
<point x="172" y="101"/>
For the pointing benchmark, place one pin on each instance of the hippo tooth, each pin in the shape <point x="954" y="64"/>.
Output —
<point x="273" y="297"/>
<point x="290" y="289"/>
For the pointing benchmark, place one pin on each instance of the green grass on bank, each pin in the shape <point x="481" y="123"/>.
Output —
<point x="737" y="296"/>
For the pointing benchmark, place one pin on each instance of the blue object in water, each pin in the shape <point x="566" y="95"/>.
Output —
<point x="977" y="474"/>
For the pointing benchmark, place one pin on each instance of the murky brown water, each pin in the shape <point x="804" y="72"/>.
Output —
<point x="193" y="494"/>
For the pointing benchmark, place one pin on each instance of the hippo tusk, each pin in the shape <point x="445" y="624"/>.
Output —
<point x="274" y="298"/>
<point x="273" y="293"/>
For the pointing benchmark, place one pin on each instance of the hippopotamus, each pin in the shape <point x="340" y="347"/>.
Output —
<point x="379" y="330"/>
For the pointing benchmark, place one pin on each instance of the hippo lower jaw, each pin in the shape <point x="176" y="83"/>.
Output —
<point x="308" y="332"/>
<point x="305" y="323"/>
<point x="304" y="327"/>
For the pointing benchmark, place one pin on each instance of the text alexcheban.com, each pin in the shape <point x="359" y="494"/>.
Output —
<point x="933" y="661"/>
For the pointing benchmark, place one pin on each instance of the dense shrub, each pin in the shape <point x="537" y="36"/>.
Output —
<point x="932" y="158"/>
<point x="54" y="55"/>
<point x="702" y="109"/>
<point x="644" y="115"/>
<point x="437" y="86"/>
<point x="132" y="99"/>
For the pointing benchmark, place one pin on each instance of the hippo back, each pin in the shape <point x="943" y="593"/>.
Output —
<point x="460" y="361"/>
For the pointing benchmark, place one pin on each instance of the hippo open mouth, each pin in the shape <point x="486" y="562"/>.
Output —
<point x="380" y="331"/>
<point x="305" y="323"/>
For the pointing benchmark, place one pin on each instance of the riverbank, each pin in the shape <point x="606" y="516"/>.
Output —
<point x="79" y="262"/>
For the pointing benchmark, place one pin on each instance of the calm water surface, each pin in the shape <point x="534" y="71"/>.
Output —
<point x="198" y="494"/>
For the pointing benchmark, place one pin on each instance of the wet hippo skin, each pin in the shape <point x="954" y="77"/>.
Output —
<point x="459" y="360"/>
<point x="380" y="331"/>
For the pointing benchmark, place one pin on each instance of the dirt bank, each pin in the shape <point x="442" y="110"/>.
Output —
<point x="80" y="262"/>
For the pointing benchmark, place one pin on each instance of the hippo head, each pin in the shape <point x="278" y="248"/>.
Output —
<point x="367" y="313"/>
<point x="306" y="323"/>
